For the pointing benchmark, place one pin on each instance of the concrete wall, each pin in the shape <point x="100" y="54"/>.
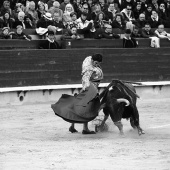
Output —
<point x="27" y="96"/>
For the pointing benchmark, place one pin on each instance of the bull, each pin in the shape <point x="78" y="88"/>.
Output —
<point x="118" y="111"/>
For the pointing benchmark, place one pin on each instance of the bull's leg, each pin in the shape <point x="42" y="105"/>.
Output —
<point x="72" y="128"/>
<point x="140" y="130"/>
<point x="132" y="123"/>
<point x="120" y="127"/>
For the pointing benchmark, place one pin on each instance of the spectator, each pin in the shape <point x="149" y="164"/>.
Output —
<point x="136" y="33"/>
<point x="32" y="12"/>
<point x="103" y="5"/>
<point x="57" y="22"/>
<point x="119" y="22"/>
<point x="85" y="27"/>
<point x="5" y="34"/>
<point x="97" y="10"/>
<point x="148" y="12"/>
<point x="143" y="3"/>
<point x="50" y="43"/>
<point x="128" y="41"/>
<point x="73" y="22"/>
<point x="128" y="13"/>
<point x="155" y="20"/>
<point x="18" y="8"/>
<point x="106" y="33"/>
<point x="155" y="5"/>
<point x="137" y="11"/>
<point x="6" y="20"/>
<point x="21" y="21"/>
<point x="168" y="9"/>
<point x="41" y="10"/>
<point x="162" y="12"/>
<point x="141" y="21"/>
<point x="6" y="8"/>
<point x="66" y="15"/>
<point x="100" y="21"/>
<point x="63" y="5"/>
<point x="50" y="3"/>
<point x="77" y="5"/>
<point x="127" y="2"/>
<point x="56" y="9"/>
<point x="71" y="34"/>
<point x="110" y="13"/>
<point x="19" y="34"/>
<point x="85" y="9"/>
<point x="161" y="33"/>
<point x="147" y="32"/>
<point x="45" y="21"/>
<point x="116" y="5"/>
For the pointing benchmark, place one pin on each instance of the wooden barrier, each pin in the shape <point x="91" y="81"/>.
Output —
<point x="115" y="30"/>
<point x="20" y="68"/>
<point x="114" y="43"/>
<point x="85" y="43"/>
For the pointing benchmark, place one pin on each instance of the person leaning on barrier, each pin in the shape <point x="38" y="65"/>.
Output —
<point x="148" y="33"/>
<point x="19" y="34"/>
<point x="107" y="33"/>
<point x="136" y="33"/>
<point x="128" y="41"/>
<point x="71" y="34"/>
<point x="161" y="33"/>
<point x="50" y="42"/>
<point x="5" y="34"/>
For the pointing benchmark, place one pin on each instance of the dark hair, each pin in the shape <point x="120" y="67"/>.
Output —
<point x="97" y="57"/>
<point x="84" y="13"/>
<point x="50" y="33"/>
<point x="128" y="31"/>
<point x="73" y="13"/>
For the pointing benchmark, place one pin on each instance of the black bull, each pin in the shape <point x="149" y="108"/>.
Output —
<point x="116" y="110"/>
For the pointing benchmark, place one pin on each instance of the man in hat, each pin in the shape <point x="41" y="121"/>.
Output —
<point x="128" y="41"/>
<point x="45" y="21"/>
<point x="50" y="43"/>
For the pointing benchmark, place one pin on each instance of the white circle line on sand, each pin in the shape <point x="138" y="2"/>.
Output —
<point x="157" y="127"/>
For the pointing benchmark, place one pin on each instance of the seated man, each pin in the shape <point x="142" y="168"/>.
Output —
<point x="141" y="21"/>
<point x="106" y="33"/>
<point x="50" y="42"/>
<point x="148" y="33"/>
<point x="71" y="34"/>
<point x="161" y="33"/>
<point x="85" y="27"/>
<point x="136" y="33"/>
<point x="128" y="41"/>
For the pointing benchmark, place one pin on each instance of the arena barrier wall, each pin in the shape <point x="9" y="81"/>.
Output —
<point x="51" y="94"/>
<point x="43" y="75"/>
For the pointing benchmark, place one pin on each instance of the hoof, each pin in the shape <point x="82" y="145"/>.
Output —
<point x="85" y="132"/>
<point x="72" y="130"/>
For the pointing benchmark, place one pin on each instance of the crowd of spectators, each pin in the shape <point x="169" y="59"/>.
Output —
<point x="90" y="18"/>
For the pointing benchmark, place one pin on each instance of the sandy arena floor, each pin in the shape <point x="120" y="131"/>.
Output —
<point x="33" y="138"/>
